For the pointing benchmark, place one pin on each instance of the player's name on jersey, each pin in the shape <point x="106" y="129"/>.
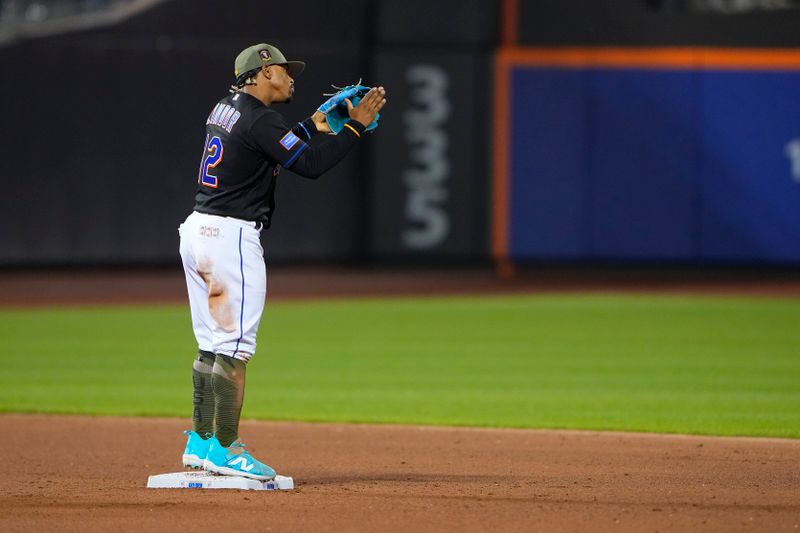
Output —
<point x="223" y="116"/>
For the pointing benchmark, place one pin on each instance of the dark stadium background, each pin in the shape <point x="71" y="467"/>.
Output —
<point x="104" y="105"/>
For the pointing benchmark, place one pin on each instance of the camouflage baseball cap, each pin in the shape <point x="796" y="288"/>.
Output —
<point x="258" y="55"/>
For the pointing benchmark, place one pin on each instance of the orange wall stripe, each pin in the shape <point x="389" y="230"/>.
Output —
<point x="502" y="157"/>
<point x="655" y="58"/>
<point x="509" y="15"/>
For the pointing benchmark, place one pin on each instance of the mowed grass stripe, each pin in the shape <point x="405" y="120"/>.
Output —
<point x="705" y="365"/>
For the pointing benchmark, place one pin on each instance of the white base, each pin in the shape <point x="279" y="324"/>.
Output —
<point x="206" y="480"/>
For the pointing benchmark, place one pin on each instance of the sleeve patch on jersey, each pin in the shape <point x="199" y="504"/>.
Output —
<point x="289" y="140"/>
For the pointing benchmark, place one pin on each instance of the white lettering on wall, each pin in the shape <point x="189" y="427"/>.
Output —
<point x="428" y="223"/>
<point x="742" y="6"/>
<point x="793" y="153"/>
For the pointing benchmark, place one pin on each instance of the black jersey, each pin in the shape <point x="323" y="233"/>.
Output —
<point x="246" y="144"/>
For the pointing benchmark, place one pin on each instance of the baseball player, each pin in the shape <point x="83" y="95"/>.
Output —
<point x="247" y="144"/>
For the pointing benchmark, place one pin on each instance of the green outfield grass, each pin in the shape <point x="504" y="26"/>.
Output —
<point x="725" y="366"/>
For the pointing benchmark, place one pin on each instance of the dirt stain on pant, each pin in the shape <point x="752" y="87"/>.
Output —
<point x="218" y="304"/>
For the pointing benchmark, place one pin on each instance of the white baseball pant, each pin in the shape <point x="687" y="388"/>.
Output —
<point x="227" y="282"/>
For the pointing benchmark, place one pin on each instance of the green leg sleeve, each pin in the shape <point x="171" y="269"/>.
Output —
<point x="203" y="399"/>
<point x="228" y="381"/>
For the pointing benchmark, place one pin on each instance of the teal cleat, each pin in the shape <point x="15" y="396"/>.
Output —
<point x="235" y="461"/>
<point x="196" y="449"/>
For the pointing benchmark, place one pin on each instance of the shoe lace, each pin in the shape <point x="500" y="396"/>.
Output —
<point x="204" y="436"/>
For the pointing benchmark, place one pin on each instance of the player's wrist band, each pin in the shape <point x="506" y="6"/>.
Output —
<point x="347" y="125"/>
<point x="309" y="127"/>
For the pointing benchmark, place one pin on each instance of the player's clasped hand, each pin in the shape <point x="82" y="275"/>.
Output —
<point x="369" y="106"/>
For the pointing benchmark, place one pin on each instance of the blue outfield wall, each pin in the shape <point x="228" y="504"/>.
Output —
<point x="648" y="164"/>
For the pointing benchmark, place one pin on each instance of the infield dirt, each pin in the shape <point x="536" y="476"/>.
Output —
<point x="74" y="473"/>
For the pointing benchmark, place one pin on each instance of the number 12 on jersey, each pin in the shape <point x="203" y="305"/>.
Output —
<point x="212" y="156"/>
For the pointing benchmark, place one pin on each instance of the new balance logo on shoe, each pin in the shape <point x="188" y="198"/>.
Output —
<point x="246" y="467"/>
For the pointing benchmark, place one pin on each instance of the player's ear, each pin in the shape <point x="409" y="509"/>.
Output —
<point x="265" y="70"/>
